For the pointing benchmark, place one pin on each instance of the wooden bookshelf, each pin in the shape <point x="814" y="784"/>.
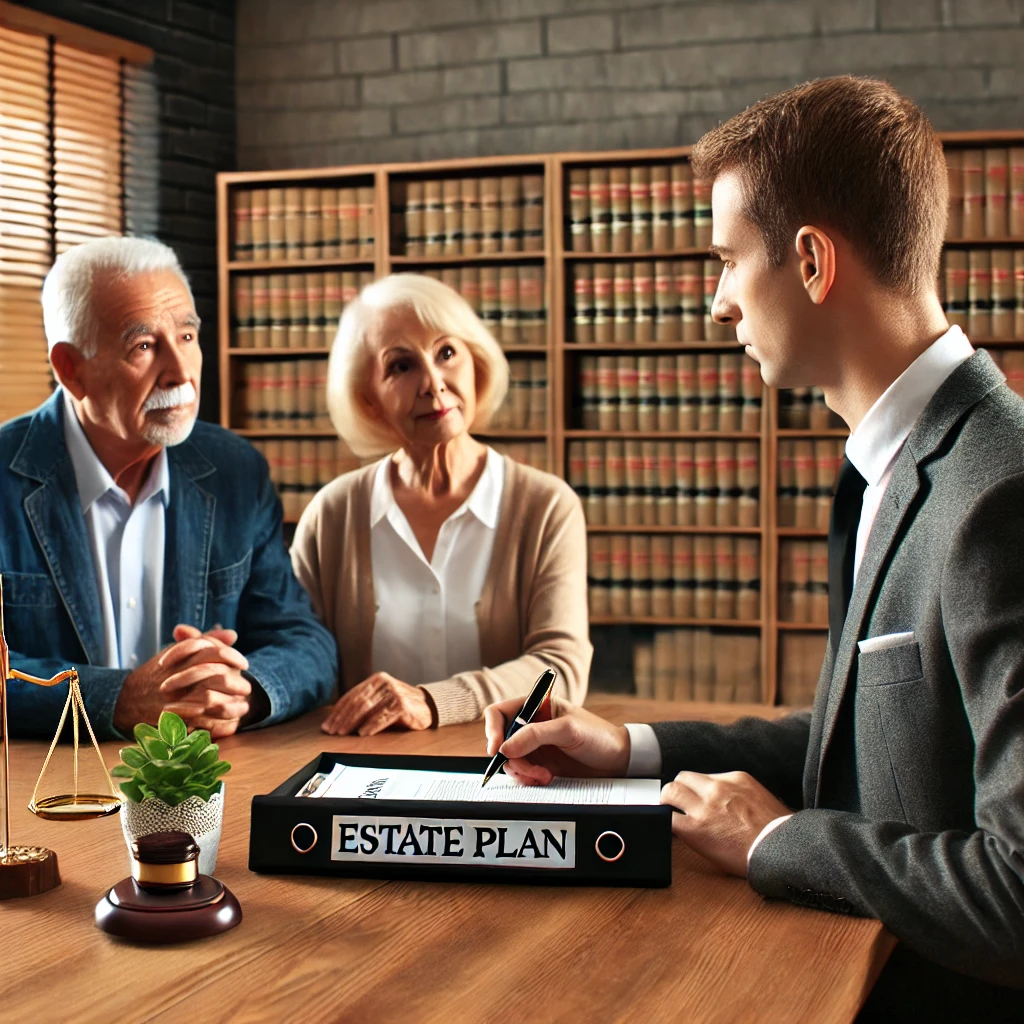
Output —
<point x="561" y="352"/>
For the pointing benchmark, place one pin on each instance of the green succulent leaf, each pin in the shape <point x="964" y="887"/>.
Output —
<point x="206" y="759"/>
<point x="155" y="748"/>
<point x="133" y="791"/>
<point x="172" y="728"/>
<point x="142" y="731"/>
<point x="177" y="775"/>
<point x="122" y="771"/>
<point x="133" y="757"/>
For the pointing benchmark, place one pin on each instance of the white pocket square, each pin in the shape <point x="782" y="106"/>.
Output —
<point x="883" y="643"/>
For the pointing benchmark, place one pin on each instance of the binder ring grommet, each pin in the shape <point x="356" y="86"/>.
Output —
<point x="306" y="849"/>
<point x="605" y="857"/>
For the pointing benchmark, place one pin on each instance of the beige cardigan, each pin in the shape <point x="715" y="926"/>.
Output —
<point x="532" y="612"/>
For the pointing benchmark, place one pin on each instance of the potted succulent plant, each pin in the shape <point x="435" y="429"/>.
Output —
<point x="172" y="782"/>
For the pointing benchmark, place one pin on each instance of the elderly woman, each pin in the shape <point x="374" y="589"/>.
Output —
<point x="450" y="575"/>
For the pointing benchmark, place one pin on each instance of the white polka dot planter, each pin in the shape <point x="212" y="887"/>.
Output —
<point x="200" y="818"/>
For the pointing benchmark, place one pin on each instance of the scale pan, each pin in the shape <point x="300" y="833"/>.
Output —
<point x="75" y="807"/>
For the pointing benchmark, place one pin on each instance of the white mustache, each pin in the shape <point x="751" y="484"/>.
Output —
<point x="170" y="398"/>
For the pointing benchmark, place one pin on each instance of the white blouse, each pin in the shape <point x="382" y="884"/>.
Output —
<point x="425" y="627"/>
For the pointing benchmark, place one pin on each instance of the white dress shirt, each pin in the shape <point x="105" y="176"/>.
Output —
<point x="425" y="628"/>
<point x="872" y="448"/>
<point x="127" y="543"/>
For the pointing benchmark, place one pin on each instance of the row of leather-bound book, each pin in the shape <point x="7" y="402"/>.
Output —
<point x="299" y="469"/>
<point x="713" y="391"/>
<point x="805" y="409"/>
<point x="800" y="658"/>
<point x="664" y="300"/>
<point x="806" y="479"/>
<point x="666" y="483"/>
<point x="681" y="576"/>
<point x="468" y="216"/>
<point x="508" y="299"/>
<point x="292" y="310"/>
<point x="698" y="664"/>
<point x="803" y="581"/>
<point x="526" y="403"/>
<point x="986" y="192"/>
<point x="637" y="208"/>
<point x="291" y="395"/>
<point x="982" y="290"/>
<point x="302" y="223"/>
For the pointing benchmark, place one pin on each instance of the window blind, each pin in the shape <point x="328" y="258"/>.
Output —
<point x="65" y="142"/>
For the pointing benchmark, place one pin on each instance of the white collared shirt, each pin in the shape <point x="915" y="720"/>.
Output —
<point x="881" y="435"/>
<point x="127" y="543"/>
<point x="425" y="628"/>
<point x="872" y="448"/>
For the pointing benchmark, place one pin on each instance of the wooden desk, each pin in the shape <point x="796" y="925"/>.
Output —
<point x="311" y="949"/>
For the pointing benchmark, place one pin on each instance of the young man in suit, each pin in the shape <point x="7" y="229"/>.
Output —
<point x="135" y="543"/>
<point x="901" y="795"/>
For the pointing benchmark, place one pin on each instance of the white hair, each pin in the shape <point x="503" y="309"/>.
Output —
<point x="67" y="291"/>
<point x="437" y="307"/>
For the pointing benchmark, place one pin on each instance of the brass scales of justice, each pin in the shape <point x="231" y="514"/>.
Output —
<point x="30" y="870"/>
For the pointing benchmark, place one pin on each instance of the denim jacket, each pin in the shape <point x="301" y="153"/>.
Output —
<point x="224" y="563"/>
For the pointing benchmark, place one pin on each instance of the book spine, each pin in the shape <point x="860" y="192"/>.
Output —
<point x="786" y="489"/>
<point x="703" y="575"/>
<point x="275" y="224"/>
<point x="819" y="582"/>
<point x="1018" y="292"/>
<point x="589" y="396"/>
<point x="690" y="284"/>
<point x="666" y="303"/>
<point x="579" y="210"/>
<point x="647" y="395"/>
<point x="533" y="213"/>
<point x="627" y="378"/>
<point x="707" y="389"/>
<point x="1016" y="188"/>
<point x="665" y="389"/>
<point x="640" y="208"/>
<point x="538" y="416"/>
<point x="599" y="574"/>
<point x="490" y="299"/>
<point x="600" y="209"/>
<point x="508" y="301"/>
<point x="615" y="475"/>
<point x="726" y="484"/>
<point x="683" y="583"/>
<point x="1003" y="299"/>
<point x="315" y="322"/>
<point x="330" y="223"/>
<point x="472" y="224"/>
<point x="725" y="577"/>
<point x="452" y="214"/>
<point x="297" y="311"/>
<point x="730" y="400"/>
<point x="415" y="203"/>
<point x="704" y="474"/>
<point x="682" y="205"/>
<point x="241" y="225"/>
<point x="639" y="576"/>
<point x="618" y="201"/>
<point x="604" y="319"/>
<point x="666" y="483"/>
<point x="619" y="597"/>
<point x="804" y="467"/>
<point x="748" y="575"/>
<point x="644" y="311"/>
<point x="490" y="216"/>
<point x="312" y="226"/>
<point x="583" y="302"/>
<point x="643" y="669"/>
<point x="687" y="392"/>
<point x="594" y="454"/>
<point x="996" y="192"/>
<point x="433" y="218"/>
<point x="649" y="495"/>
<point x="511" y="196"/>
<point x="686" y="483"/>
<point x="294" y="221"/>
<point x="533" y="315"/>
<point x="259" y="224"/>
<point x="242" y="287"/>
<point x="956" y="276"/>
<point x="973" y="169"/>
<point x="469" y="287"/>
<point x="278" y="289"/>
<point x="979" y="294"/>
<point x="367" y="230"/>
<point x="701" y="213"/>
<point x="661" y="207"/>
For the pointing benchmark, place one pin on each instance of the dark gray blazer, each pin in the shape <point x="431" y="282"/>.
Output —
<point x="910" y="769"/>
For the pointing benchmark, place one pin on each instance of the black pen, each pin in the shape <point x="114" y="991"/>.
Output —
<point x="540" y="693"/>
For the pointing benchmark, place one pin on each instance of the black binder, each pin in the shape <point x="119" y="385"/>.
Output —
<point x="534" y="843"/>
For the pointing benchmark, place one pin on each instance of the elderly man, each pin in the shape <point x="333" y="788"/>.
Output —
<point x="135" y="543"/>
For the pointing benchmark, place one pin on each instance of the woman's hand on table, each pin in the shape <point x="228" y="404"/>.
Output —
<point x="377" y="703"/>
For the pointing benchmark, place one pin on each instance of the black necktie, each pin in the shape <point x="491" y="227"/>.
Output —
<point x="842" y="545"/>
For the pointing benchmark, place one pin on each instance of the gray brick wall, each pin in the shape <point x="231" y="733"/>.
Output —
<point x="364" y="81"/>
<point x="194" y="71"/>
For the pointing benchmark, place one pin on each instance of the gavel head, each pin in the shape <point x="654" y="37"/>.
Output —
<point x="165" y="861"/>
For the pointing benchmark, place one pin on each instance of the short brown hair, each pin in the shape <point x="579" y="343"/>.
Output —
<point x="845" y="153"/>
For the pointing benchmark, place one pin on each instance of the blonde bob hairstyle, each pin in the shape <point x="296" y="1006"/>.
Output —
<point x="438" y="308"/>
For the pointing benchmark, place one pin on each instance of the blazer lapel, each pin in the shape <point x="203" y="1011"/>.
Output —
<point x="960" y="392"/>
<point x="189" y="539"/>
<point x="54" y="512"/>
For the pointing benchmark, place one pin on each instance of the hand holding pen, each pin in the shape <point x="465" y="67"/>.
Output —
<point x="540" y="693"/>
